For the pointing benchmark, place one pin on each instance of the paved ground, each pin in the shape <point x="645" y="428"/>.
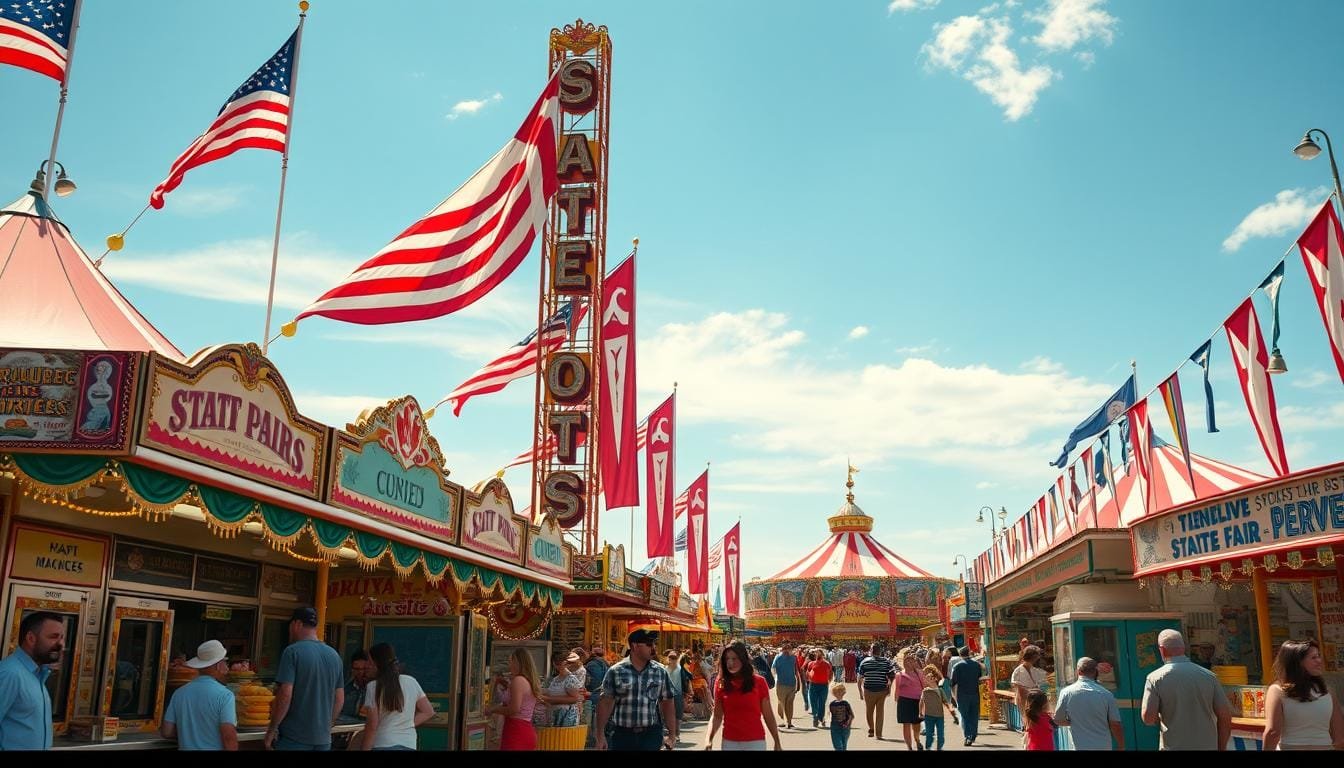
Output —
<point x="994" y="739"/>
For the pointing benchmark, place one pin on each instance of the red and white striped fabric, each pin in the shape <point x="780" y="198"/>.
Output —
<point x="1252" y="364"/>
<point x="550" y="446"/>
<point x="716" y="554"/>
<point x="35" y="35"/>
<point x="468" y="244"/>
<point x="1322" y="246"/>
<point x="519" y="361"/>
<point x="851" y="554"/>
<point x="256" y="116"/>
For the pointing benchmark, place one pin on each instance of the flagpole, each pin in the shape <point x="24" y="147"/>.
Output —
<point x="284" y="172"/>
<point x="65" y="89"/>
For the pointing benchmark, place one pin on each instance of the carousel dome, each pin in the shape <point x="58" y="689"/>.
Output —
<point x="849" y="586"/>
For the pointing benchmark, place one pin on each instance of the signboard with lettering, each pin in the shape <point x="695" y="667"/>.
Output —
<point x="228" y="407"/>
<point x="388" y="597"/>
<point x="226" y="577"/>
<point x="616" y="567"/>
<point x="56" y="557"/>
<point x="489" y="525"/>
<point x="547" y="551"/>
<point x="144" y="564"/>
<point x="1305" y="509"/>
<point x="968" y="604"/>
<point x="62" y="400"/>
<point x="389" y="467"/>
<point x="1070" y="564"/>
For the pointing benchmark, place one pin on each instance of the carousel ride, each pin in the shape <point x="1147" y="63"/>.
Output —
<point x="848" y="590"/>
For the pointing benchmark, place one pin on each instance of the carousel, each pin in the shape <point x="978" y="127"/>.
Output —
<point x="848" y="590"/>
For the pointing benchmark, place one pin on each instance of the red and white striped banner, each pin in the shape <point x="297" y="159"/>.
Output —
<point x="617" y="452"/>
<point x="1252" y="362"/>
<point x="661" y="474"/>
<point x="1140" y="444"/>
<point x="1322" y="246"/>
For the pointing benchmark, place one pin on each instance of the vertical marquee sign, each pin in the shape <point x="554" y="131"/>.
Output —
<point x="565" y="482"/>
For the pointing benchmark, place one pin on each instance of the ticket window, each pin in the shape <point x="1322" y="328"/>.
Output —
<point x="136" y="667"/>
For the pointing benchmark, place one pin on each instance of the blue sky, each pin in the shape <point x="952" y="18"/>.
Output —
<point x="926" y="235"/>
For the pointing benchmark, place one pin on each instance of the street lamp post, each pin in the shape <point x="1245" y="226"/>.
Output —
<point x="1308" y="149"/>
<point x="965" y="566"/>
<point x="989" y="610"/>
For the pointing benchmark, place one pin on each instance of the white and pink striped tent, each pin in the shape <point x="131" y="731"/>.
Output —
<point x="851" y="552"/>
<point x="1035" y="533"/>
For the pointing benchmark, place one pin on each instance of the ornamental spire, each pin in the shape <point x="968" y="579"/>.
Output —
<point x="849" y="482"/>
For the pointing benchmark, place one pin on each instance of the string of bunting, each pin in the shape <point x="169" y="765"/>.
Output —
<point x="1325" y="556"/>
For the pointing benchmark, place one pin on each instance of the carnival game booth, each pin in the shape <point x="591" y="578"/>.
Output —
<point x="1246" y="570"/>
<point x="1065" y="581"/>
<point x="848" y="591"/>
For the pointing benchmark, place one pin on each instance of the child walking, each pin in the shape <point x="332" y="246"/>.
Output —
<point x="1039" y="733"/>
<point x="932" y="703"/>
<point x="841" y="717"/>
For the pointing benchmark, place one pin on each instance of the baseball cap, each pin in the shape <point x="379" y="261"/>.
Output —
<point x="305" y="616"/>
<point x="643" y="636"/>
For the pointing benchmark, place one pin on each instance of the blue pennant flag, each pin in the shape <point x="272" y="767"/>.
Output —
<point x="1101" y="455"/>
<point x="1114" y="407"/>
<point x="1201" y="358"/>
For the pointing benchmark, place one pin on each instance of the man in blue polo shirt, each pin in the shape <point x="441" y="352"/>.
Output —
<point x="201" y="714"/>
<point x="309" y="689"/>
<point x="25" y="703"/>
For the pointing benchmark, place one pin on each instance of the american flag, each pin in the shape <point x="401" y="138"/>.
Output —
<point x="34" y="35"/>
<point x="519" y="361"/>
<point x="716" y="554"/>
<point x="256" y="116"/>
<point x="468" y="244"/>
<point x="679" y="504"/>
<point x="679" y="544"/>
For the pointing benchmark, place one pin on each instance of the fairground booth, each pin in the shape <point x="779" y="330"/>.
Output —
<point x="157" y="500"/>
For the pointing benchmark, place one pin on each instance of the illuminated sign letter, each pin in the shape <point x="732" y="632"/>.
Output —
<point x="576" y="159"/>
<point x="567" y="378"/>
<point x="570" y="272"/>
<point x="566" y="425"/>
<point x="578" y="86"/>
<point x="576" y="201"/>
<point x="564" y="498"/>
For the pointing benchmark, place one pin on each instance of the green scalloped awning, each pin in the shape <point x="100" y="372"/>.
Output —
<point x="369" y="545"/>
<point x="154" y="486"/>
<point x="282" y="522"/>
<point x="329" y="535"/>
<point x="404" y="555"/>
<point x="224" y="506"/>
<point x="58" y="469"/>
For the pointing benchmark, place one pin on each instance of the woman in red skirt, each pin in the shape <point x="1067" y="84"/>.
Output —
<point x="517" y="708"/>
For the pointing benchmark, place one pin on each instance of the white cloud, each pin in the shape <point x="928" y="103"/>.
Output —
<point x="919" y="350"/>
<point x="858" y="332"/>
<point x="1086" y="58"/>
<point x="1290" y="210"/>
<point x="995" y="69"/>
<point x="999" y="75"/>
<point x="337" y="410"/>
<point x="472" y="106"/>
<point x="1296" y="418"/>
<point x="237" y="271"/>
<point x="205" y="202"/>
<point x="985" y="485"/>
<point x="1067" y="23"/>
<point x="1309" y="379"/>
<point x="911" y="5"/>
<point x="750" y="370"/>
<point x="953" y="41"/>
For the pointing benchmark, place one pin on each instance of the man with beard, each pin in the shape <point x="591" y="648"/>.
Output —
<point x="25" y="703"/>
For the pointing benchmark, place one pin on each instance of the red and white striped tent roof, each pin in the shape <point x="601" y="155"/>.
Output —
<point x="851" y="552"/>
<point x="1169" y="485"/>
<point x="54" y="297"/>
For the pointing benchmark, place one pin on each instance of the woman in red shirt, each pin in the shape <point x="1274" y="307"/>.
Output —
<point x="1039" y="727"/>
<point x="819" y="675"/>
<point x="741" y="704"/>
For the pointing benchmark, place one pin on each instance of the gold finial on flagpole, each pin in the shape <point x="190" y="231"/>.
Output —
<point x="849" y="481"/>
<point x="303" y="6"/>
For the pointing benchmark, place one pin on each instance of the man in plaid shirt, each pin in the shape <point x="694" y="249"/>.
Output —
<point x="637" y="699"/>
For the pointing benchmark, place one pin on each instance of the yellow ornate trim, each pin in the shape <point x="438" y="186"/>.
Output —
<point x="578" y="38"/>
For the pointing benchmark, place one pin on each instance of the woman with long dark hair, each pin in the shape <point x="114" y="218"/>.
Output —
<point x="396" y="703"/>
<point x="1300" y="713"/>
<point x="741" y="704"/>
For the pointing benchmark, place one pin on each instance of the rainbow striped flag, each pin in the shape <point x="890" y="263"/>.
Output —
<point x="1171" y="398"/>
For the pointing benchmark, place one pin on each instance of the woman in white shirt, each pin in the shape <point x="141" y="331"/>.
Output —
<point x="1300" y="713"/>
<point x="1027" y="676"/>
<point x="396" y="704"/>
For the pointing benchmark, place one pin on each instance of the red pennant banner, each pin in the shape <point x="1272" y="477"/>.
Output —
<point x="732" y="569"/>
<point x="1252" y="362"/>
<point x="1322" y="246"/>
<point x="617" y="452"/>
<point x="660" y="474"/>
<point x="697" y="536"/>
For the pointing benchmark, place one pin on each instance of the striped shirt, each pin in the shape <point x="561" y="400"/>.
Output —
<point x="637" y="693"/>
<point x="875" y="670"/>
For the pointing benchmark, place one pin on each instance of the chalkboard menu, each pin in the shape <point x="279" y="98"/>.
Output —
<point x="226" y="577"/>
<point x="567" y="630"/>
<point x="428" y="652"/>
<point x="151" y="565"/>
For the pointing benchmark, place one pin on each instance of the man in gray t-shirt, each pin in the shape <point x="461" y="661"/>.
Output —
<point x="309" y="690"/>
<point x="1186" y="699"/>
<point x="1090" y="711"/>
